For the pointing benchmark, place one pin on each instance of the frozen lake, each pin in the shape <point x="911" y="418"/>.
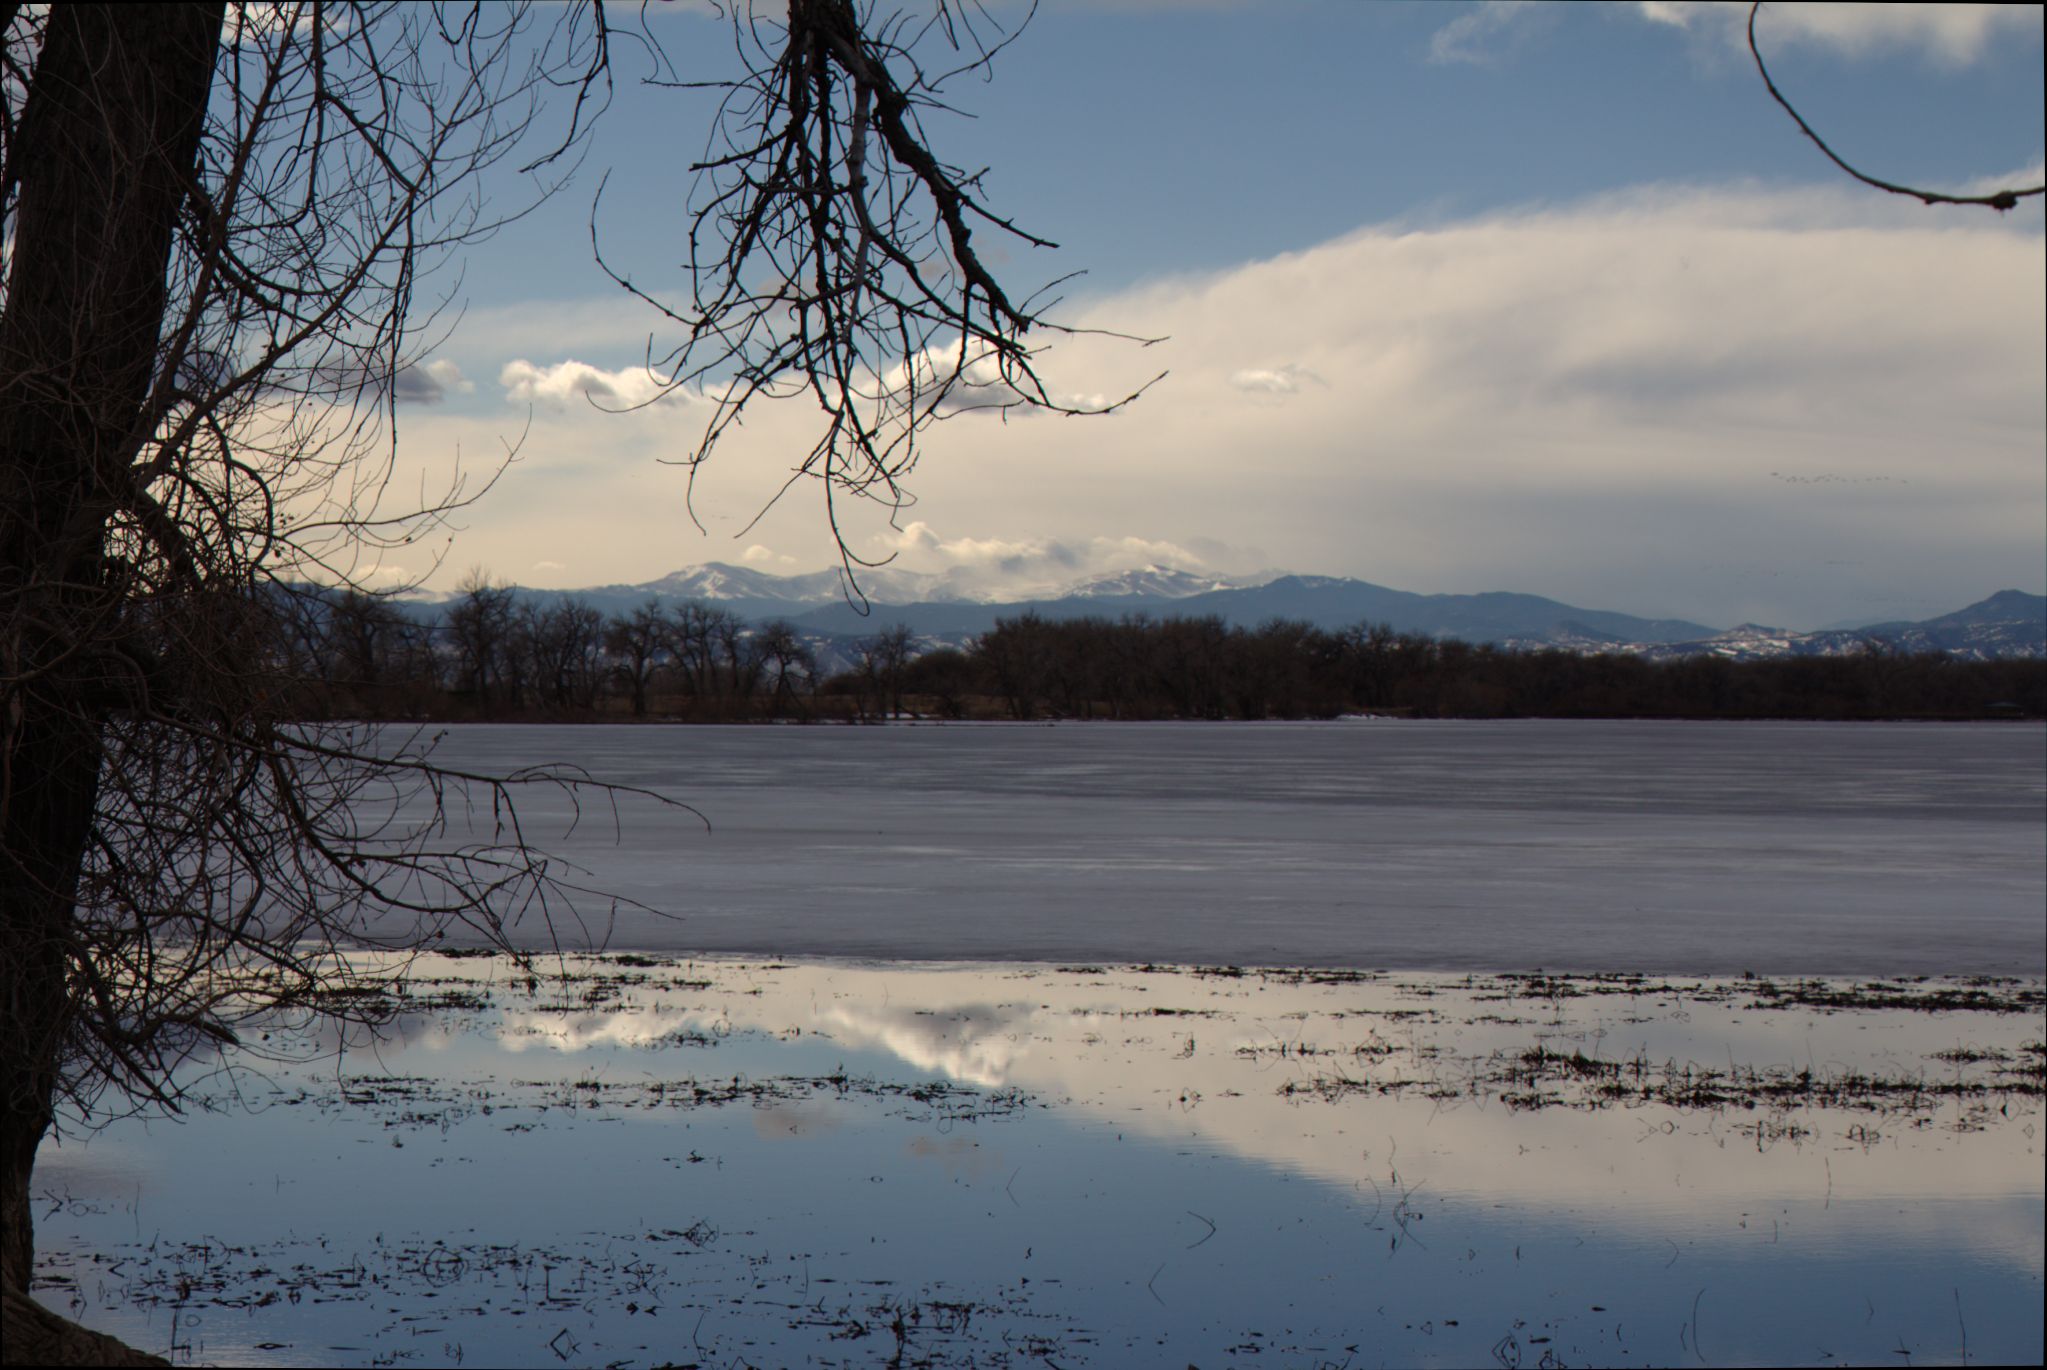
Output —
<point x="1700" y="848"/>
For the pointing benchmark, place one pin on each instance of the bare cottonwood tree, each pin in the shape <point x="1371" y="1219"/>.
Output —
<point x="637" y="642"/>
<point x="885" y="655"/>
<point x="216" y="218"/>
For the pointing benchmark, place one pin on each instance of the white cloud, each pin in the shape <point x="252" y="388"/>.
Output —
<point x="2014" y="180"/>
<point x="1026" y="565"/>
<point x="1282" y="380"/>
<point x="1583" y="400"/>
<point x="1953" y="34"/>
<point x="1485" y="34"/>
<point x="565" y="382"/>
<point x="258" y="24"/>
<point x="916" y="536"/>
<point x="980" y="385"/>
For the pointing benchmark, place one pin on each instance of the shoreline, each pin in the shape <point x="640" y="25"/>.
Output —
<point x="1909" y="991"/>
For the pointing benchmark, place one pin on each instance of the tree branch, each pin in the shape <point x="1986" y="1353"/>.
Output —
<point x="2000" y="200"/>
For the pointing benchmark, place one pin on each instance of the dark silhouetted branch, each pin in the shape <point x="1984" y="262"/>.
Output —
<point x="1997" y="199"/>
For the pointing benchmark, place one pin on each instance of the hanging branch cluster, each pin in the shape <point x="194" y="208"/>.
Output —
<point x="218" y="218"/>
<point x="831" y="253"/>
<point x="2001" y="200"/>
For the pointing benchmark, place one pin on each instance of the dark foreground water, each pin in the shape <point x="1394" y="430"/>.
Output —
<point x="1701" y="848"/>
<point x="729" y="1163"/>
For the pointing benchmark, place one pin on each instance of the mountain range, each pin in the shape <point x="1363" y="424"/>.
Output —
<point x="950" y="609"/>
<point x="2010" y="623"/>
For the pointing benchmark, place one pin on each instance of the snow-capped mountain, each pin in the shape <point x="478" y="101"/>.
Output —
<point x="1160" y="582"/>
<point x="716" y="582"/>
<point x="963" y="603"/>
<point x="757" y="593"/>
<point x="2010" y="623"/>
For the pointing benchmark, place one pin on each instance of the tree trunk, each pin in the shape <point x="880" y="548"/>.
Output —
<point x="36" y="1336"/>
<point x="104" y="153"/>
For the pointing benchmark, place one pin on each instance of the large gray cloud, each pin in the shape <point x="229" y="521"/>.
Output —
<point x="430" y="382"/>
<point x="1625" y="401"/>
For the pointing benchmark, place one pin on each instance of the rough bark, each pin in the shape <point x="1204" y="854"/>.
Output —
<point x="102" y="160"/>
<point x="36" y="1336"/>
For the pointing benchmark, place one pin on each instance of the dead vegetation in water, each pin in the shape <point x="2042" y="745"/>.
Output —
<point x="1540" y="1077"/>
<point x="1919" y="994"/>
<point x="915" y="1101"/>
<point x="1915" y="994"/>
<point x="541" y="1293"/>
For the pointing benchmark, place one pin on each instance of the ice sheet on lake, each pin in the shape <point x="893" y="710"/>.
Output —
<point x="1701" y="848"/>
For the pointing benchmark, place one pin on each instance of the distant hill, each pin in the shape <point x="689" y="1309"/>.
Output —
<point x="952" y="608"/>
<point x="2011" y="623"/>
<point x="758" y="594"/>
<point x="1326" y="601"/>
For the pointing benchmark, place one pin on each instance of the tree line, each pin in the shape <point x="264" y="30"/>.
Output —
<point x="494" y="655"/>
<point x="1204" y="668"/>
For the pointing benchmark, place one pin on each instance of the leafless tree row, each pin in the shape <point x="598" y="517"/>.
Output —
<point x="1203" y="668"/>
<point x="490" y="654"/>
<point x="701" y="663"/>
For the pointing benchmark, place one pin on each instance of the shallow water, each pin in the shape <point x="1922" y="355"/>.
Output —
<point x="723" y="1162"/>
<point x="1699" y="848"/>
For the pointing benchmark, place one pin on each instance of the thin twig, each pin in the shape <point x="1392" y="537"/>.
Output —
<point x="1998" y="199"/>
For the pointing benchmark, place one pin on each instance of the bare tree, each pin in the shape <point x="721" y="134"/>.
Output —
<point x="865" y="680"/>
<point x="888" y="652"/>
<point x="947" y="675"/>
<point x="692" y="641"/>
<point x="366" y="642"/>
<point x="737" y="649"/>
<point x="560" y="649"/>
<point x="479" y="626"/>
<point x="784" y="661"/>
<point x="637" y="642"/>
<point x="352" y="655"/>
<point x="216" y="217"/>
<point x="1017" y="653"/>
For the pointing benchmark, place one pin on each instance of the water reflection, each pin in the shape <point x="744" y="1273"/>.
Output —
<point x="842" y="1161"/>
<point x="1299" y="1072"/>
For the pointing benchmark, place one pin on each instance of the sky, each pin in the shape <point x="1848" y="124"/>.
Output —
<point x="1451" y="298"/>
